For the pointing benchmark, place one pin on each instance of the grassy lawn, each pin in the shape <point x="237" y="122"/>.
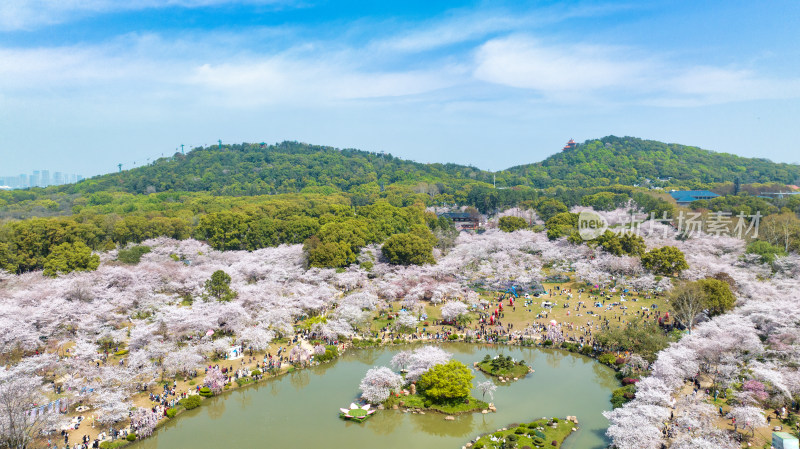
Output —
<point x="536" y="434"/>
<point x="358" y="413"/>
<point x="451" y="408"/>
<point x="522" y="316"/>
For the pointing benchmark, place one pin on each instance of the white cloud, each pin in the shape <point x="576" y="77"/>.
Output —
<point x="461" y="26"/>
<point x="139" y="65"/>
<point x="526" y="63"/>
<point x="280" y="80"/>
<point x="596" y="73"/>
<point x="31" y="14"/>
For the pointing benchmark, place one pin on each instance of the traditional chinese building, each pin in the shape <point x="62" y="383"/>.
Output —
<point x="570" y="145"/>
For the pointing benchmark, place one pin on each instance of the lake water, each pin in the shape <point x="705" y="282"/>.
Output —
<point x="300" y="409"/>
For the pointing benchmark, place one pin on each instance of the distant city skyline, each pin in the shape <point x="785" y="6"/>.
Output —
<point x="38" y="178"/>
<point x="88" y="85"/>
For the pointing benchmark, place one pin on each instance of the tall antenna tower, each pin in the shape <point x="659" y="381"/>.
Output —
<point x="220" y="143"/>
<point x="120" y="167"/>
<point x="182" y="149"/>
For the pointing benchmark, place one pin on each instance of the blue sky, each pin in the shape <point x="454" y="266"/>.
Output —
<point x="88" y="84"/>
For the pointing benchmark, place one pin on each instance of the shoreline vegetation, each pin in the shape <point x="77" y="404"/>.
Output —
<point x="411" y="403"/>
<point x="504" y="368"/>
<point x="544" y="432"/>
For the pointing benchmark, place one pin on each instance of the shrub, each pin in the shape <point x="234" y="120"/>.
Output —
<point x="622" y="395"/>
<point x="607" y="358"/>
<point x="554" y="443"/>
<point x="206" y="392"/>
<point x="538" y="441"/>
<point x="586" y="350"/>
<point x="171" y="412"/>
<point x="629" y="380"/>
<point x="133" y="255"/>
<point x="478" y="445"/>
<point x="191" y="402"/>
<point x="555" y="420"/>
<point x="547" y="343"/>
<point x="113" y="444"/>
<point x="498" y="434"/>
<point x="330" y="353"/>
<point x="121" y="352"/>
<point x="192" y="382"/>
<point x="428" y="403"/>
<point x="519" y="430"/>
<point x="256" y="372"/>
<point x="131" y="437"/>
<point x="452" y="337"/>
<point x="512" y="437"/>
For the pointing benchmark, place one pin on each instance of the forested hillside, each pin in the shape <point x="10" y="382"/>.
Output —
<point x="251" y="196"/>
<point x="628" y="160"/>
<point x="292" y="167"/>
<point x="287" y="167"/>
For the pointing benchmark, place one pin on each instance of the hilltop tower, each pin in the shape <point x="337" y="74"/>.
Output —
<point x="570" y="145"/>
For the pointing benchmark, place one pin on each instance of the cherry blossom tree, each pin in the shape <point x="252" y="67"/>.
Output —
<point x="143" y="422"/>
<point x="401" y="360"/>
<point x="748" y="417"/>
<point x="20" y="424"/>
<point x="378" y="383"/>
<point x="487" y="387"/>
<point x="454" y="311"/>
<point x="554" y="333"/>
<point x="405" y="320"/>
<point x="215" y="380"/>
<point x="423" y="359"/>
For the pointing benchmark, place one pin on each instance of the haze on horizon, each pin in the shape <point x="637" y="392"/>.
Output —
<point x="87" y="85"/>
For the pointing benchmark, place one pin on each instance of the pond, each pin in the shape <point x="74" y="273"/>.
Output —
<point x="300" y="409"/>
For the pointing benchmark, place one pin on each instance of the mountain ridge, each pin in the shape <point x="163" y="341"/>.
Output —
<point x="292" y="167"/>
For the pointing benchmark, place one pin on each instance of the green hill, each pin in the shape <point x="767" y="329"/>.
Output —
<point x="288" y="167"/>
<point x="291" y="167"/>
<point x="629" y="161"/>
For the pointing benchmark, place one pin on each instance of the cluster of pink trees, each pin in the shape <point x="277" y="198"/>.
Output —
<point x="143" y="422"/>
<point x="158" y="311"/>
<point x="378" y="384"/>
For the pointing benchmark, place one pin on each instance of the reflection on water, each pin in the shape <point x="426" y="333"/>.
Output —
<point x="300" y="378"/>
<point x="432" y="424"/>
<point x="300" y="409"/>
<point x="553" y="358"/>
<point x="217" y="408"/>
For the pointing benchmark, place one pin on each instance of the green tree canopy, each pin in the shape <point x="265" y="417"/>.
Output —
<point x="717" y="296"/>
<point x="445" y="382"/>
<point x="408" y="249"/>
<point x="766" y="250"/>
<point x="620" y="245"/>
<point x="330" y="254"/>
<point x="219" y="286"/>
<point x="69" y="257"/>
<point x="667" y="261"/>
<point x="511" y="224"/>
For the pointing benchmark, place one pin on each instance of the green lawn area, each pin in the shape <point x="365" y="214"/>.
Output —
<point x="536" y="434"/>
<point x="450" y="408"/>
<point x="358" y="413"/>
